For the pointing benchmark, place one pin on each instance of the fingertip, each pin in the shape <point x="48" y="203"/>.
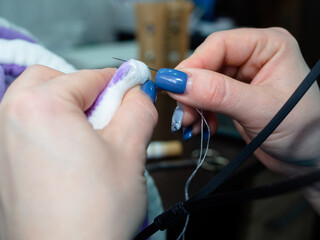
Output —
<point x="187" y="132"/>
<point x="183" y="115"/>
<point x="210" y="125"/>
<point x="171" y="80"/>
<point x="177" y="117"/>
<point x="41" y="69"/>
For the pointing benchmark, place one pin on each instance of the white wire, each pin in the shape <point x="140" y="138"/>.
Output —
<point x="199" y="163"/>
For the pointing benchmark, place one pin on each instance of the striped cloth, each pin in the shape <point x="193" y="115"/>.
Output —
<point x="19" y="50"/>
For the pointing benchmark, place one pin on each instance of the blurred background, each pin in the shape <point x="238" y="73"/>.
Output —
<point x="67" y="24"/>
<point x="161" y="33"/>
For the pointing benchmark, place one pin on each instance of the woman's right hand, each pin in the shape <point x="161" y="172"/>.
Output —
<point x="248" y="74"/>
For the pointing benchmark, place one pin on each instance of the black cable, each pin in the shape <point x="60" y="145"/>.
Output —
<point x="242" y="156"/>
<point x="266" y="191"/>
<point x="147" y="232"/>
<point x="180" y="211"/>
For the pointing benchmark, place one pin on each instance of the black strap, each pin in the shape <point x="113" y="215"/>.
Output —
<point x="266" y="191"/>
<point x="170" y="217"/>
<point x="179" y="212"/>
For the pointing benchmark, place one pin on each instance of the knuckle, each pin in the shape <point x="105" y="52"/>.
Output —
<point x="287" y="39"/>
<point x="27" y="104"/>
<point x="36" y="68"/>
<point x="214" y="92"/>
<point x="20" y="104"/>
<point x="215" y="36"/>
<point x="280" y="30"/>
<point x="95" y="74"/>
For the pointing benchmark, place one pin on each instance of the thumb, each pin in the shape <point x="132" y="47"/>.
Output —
<point x="216" y="92"/>
<point x="133" y="123"/>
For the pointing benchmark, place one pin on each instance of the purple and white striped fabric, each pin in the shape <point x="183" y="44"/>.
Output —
<point x="10" y="34"/>
<point x="19" y="50"/>
<point x="9" y="71"/>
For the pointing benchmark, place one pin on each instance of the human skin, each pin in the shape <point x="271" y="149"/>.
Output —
<point x="59" y="178"/>
<point x="248" y="74"/>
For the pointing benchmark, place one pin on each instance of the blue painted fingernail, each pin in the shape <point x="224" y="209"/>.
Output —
<point x="150" y="88"/>
<point x="171" y="80"/>
<point x="206" y="134"/>
<point x="177" y="119"/>
<point x="187" y="132"/>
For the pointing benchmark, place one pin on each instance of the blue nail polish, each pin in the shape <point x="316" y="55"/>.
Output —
<point x="205" y="134"/>
<point x="187" y="132"/>
<point x="176" y="119"/>
<point x="150" y="88"/>
<point x="171" y="80"/>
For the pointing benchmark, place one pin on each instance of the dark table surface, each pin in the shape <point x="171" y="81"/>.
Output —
<point x="215" y="222"/>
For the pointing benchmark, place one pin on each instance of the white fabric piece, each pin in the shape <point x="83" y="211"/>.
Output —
<point x="23" y="53"/>
<point x="112" y="95"/>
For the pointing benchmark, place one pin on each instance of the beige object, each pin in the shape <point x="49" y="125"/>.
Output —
<point x="164" y="149"/>
<point x="162" y="32"/>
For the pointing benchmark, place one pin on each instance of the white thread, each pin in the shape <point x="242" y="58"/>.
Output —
<point x="199" y="163"/>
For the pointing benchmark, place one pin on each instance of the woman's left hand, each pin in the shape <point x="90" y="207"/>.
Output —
<point x="59" y="178"/>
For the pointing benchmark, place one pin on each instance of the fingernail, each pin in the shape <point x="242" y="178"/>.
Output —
<point x="187" y="132"/>
<point x="177" y="119"/>
<point x="150" y="88"/>
<point x="206" y="134"/>
<point x="171" y="80"/>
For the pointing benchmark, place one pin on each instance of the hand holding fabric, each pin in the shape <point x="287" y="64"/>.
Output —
<point x="59" y="178"/>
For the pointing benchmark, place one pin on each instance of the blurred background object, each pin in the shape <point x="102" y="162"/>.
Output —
<point x="75" y="23"/>
<point x="162" y="32"/>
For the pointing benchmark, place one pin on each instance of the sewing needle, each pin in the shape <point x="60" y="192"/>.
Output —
<point x="125" y="61"/>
